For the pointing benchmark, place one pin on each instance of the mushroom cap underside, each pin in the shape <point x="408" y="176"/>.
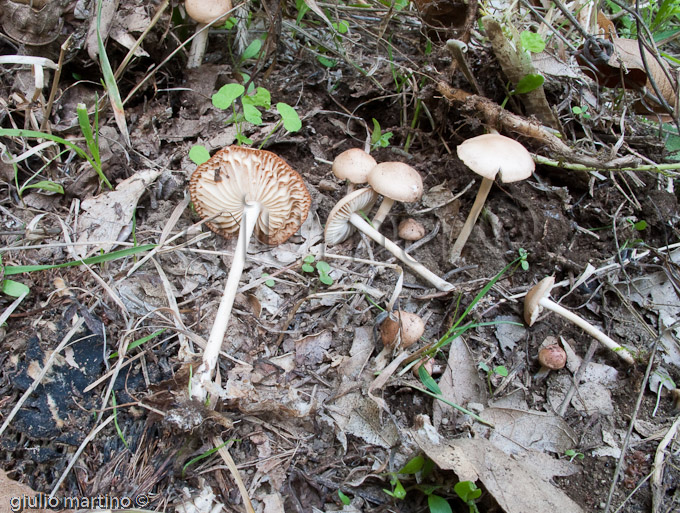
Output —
<point x="235" y="176"/>
<point x="338" y="226"/>
<point x="532" y="307"/>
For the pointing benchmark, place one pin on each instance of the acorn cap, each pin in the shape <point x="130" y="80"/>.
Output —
<point x="236" y="175"/>
<point x="397" y="181"/>
<point x="554" y="357"/>
<point x="532" y="308"/>
<point x="410" y="229"/>
<point x="353" y="165"/>
<point x="489" y="155"/>
<point x="338" y="227"/>
<point x="205" y="11"/>
<point x="412" y="328"/>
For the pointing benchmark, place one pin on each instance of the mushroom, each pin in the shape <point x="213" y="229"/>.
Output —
<point x="551" y="357"/>
<point x="353" y="166"/>
<point x="409" y="325"/>
<point x="538" y="298"/>
<point x="205" y="12"/>
<point x="344" y="217"/>
<point x="489" y="155"/>
<point x="245" y="190"/>
<point x="410" y="229"/>
<point x="396" y="181"/>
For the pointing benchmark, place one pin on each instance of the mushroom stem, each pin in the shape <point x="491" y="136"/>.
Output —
<point x="408" y="260"/>
<point x="198" y="46"/>
<point x="203" y="376"/>
<point x="477" y="206"/>
<point x="588" y="328"/>
<point x="382" y="212"/>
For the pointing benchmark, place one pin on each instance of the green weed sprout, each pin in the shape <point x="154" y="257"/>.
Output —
<point x="269" y="283"/>
<point x="322" y="268"/>
<point x="343" y="498"/>
<point x="115" y="420"/>
<point x="523" y="256"/>
<point x="499" y="370"/>
<point x="573" y="454"/>
<point x="468" y="492"/>
<point x="378" y="138"/>
<point x="413" y="466"/>
<point x="436" y="504"/>
<point x="204" y="455"/>
<point x="251" y="105"/>
<point x="581" y="112"/>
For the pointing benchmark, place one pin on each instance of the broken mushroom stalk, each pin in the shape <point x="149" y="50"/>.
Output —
<point x="538" y="298"/>
<point x="490" y="155"/>
<point x="395" y="181"/>
<point x="205" y="13"/>
<point x="252" y="191"/>
<point x="345" y="216"/>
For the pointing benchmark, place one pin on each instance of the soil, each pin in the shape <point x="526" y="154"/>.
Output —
<point x="290" y="346"/>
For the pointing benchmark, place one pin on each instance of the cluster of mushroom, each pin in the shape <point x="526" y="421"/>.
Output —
<point x="395" y="181"/>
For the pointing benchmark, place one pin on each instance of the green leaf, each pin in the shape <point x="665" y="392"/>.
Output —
<point x="341" y="26"/>
<point x="252" y="50"/>
<point x="261" y="98"/>
<point x="343" y="498"/>
<point x="438" y="504"/>
<point x="308" y="259"/>
<point x="268" y="283"/>
<point x="251" y="113"/>
<point x="639" y="226"/>
<point x="14" y="288"/>
<point x="307" y="268"/>
<point x="325" y="61"/>
<point x="413" y="466"/>
<point x="46" y="185"/>
<point x="199" y="154"/>
<point x="500" y="370"/>
<point x="140" y="341"/>
<point x="532" y="42"/>
<point x="529" y="83"/>
<point x="377" y="132"/>
<point x="242" y="139"/>
<point x="325" y="279"/>
<point x="428" y="380"/>
<point x="467" y="491"/>
<point x="226" y="95"/>
<point x="323" y="267"/>
<point x="291" y="120"/>
<point x="399" y="491"/>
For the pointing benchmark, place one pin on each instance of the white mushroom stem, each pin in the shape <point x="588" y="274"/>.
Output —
<point x="198" y="46"/>
<point x="477" y="206"/>
<point x="418" y="268"/>
<point x="382" y="212"/>
<point x="204" y="374"/>
<point x="588" y="328"/>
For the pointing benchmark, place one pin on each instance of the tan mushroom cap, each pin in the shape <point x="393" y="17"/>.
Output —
<point x="532" y="308"/>
<point x="397" y="181"/>
<point x="236" y="175"/>
<point x="353" y="165"/>
<point x="412" y="328"/>
<point x="204" y="11"/>
<point x="338" y="227"/>
<point x="410" y="229"/>
<point x="489" y="155"/>
<point x="554" y="357"/>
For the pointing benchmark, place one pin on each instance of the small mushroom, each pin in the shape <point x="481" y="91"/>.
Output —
<point x="344" y="217"/>
<point x="551" y="357"/>
<point x="538" y="298"/>
<point x="353" y="166"/>
<point x="396" y="181"/>
<point x="409" y="325"/>
<point x="489" y="155"/>
<point x="245" y="190"/>
<point x="410" y="229"/>
<point x="204" y="12"/>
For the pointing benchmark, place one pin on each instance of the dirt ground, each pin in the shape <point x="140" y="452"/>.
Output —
<point x="316" y="414"/>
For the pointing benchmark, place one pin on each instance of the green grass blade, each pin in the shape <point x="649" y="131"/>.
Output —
<point x="140" y="341"/>
<point x="97" y="259"/>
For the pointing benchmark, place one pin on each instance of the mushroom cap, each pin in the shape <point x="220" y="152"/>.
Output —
<point x="204" y="11"/>
<point x="410" y="229"/>
<point x="353" y="165"/>
<point x="532" y="308"/>
<point x="338" y="227"/>
<point x="236" y="175"/>
<point x="397" y="181"/>
<point x="412" y="328"/>
<point x="489" y="155"/>
<point x="554" y="357"/>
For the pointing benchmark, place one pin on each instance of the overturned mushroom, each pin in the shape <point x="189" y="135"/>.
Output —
<point x="353" y="165"/>
<point x="538" y="298"/>
<point x="489" y="155"/>
<point x="245" y="190"/>
<point x="410" y="229"/>
<point x="344" y="217"/>
<point x="396" y="181"/>
<point x="204" y="12"/>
